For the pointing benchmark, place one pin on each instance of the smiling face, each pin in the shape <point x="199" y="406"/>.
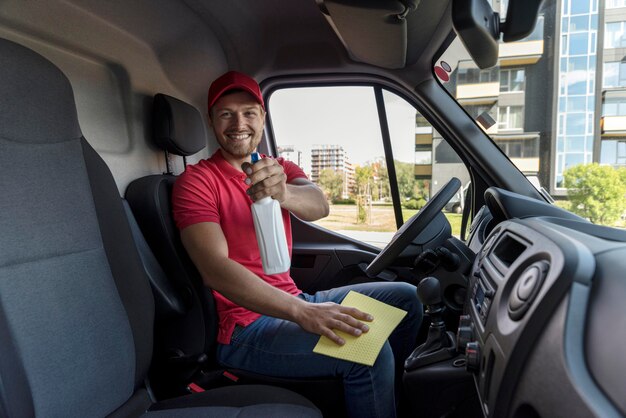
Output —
<point x="237" y="120"/>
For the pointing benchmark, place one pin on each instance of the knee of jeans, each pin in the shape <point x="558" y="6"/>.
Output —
<point x="408" y="293"/>
<point x="385" y="362"/>
<point x="383" y="368"/>
<point x="385" y="357"/>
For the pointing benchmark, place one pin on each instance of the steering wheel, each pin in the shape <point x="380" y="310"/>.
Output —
<point x="411" y="228"/>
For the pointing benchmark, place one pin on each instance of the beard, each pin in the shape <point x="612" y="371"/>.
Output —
<point x="239" y="149"/>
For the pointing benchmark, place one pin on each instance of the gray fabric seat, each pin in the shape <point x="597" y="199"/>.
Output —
<point x="76" y="309"/>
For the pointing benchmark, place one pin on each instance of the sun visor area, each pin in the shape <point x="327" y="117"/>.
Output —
<point x="373" y="31"/>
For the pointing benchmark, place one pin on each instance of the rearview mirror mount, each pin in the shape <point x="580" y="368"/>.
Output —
<point x="479" y="27"/>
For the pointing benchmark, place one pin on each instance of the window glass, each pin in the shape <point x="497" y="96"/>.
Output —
<point x="576" y="144"/>
<point x="614" y="106"/>
<point x="575" y="124"/>
<point x="341" y="149"/>
<point x="610" y="76"/>
<point x="578" y="43"/>
<point x="579" y="7"/>
<point x="510" y="117"/>
<point x="474" y="75"/>
<point x="614" y="35"/>
<point x="576" y="104"/>
<point x="614" y="74"/>
<point x="512" y="80"/>
<point x="613" y="4"/>
<point x="621" y="153"/>
<point x="579" y="24"/>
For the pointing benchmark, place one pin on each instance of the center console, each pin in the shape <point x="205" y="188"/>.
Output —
<point x="518" y="278"/>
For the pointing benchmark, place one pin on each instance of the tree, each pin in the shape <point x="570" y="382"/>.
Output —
<point x="407" y="185"/>
<point x="331" y="183"/>
<point x="382" y="188"/>
<point x="596" y="192"/>
<point x="363" y="175"/>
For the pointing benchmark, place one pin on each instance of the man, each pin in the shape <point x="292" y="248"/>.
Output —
<point x="266" y="324"/>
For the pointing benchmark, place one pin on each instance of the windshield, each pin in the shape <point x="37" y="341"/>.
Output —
<point x="555" y="103"/>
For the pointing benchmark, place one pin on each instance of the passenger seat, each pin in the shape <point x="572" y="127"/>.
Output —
<point x="76" y="309"/>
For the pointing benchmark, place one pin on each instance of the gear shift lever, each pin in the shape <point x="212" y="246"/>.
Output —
<point x="429" y="293"/>
<point x="439" y="345"/>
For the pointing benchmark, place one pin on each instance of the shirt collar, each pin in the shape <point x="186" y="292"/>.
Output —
<point x="225" y="167"/>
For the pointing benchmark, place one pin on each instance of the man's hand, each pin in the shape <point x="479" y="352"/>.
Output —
<point x="267" y="178"/>
<point x="300" y="196"/>
<point x="326" y="318"/>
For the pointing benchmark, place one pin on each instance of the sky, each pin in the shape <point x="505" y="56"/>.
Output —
<point x="346" y="116"/>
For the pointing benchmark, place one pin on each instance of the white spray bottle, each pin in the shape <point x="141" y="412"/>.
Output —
<point x="270" y="232"/>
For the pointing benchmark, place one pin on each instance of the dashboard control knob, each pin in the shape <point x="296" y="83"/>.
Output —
<point x="472" y="356"/>
<point x="465" y="333"/>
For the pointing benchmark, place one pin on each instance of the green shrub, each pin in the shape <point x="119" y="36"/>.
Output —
<point x="596" y="192"/>
<point x="414" y="203"/>
<point x="343" y="201"/>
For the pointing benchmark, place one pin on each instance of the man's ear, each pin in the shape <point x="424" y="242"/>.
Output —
<point x="209" y="119"/>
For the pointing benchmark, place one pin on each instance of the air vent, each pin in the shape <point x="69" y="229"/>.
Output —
<point x="526" y="289"/>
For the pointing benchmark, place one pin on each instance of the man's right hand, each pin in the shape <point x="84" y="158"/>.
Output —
<point x="328" y="317"/>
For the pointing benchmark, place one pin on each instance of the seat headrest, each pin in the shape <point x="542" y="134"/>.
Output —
<point x="178" y="126"/>
<point x="33" y="89"/>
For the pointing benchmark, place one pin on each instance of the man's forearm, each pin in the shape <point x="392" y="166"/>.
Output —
<point x="306" y="201"/>
<point x="207" y="247"/>
<point x="244" y="288"/>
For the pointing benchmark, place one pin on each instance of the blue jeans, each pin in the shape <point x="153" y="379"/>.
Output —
<point x="277" y="347"/>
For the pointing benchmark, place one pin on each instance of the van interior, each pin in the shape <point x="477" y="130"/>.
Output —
<point x="102" y="313"/>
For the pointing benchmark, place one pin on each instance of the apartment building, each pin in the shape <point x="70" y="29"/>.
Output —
<point x="573" y="108"/>
<point x="612" y="145"/>
<point x="501" y="94"/>
<point x="335" y="158"/>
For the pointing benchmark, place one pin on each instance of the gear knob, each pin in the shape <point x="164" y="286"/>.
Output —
<point x="429" y="291"/>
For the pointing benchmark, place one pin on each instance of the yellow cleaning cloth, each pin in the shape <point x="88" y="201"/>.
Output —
<point x="365" y="348"/>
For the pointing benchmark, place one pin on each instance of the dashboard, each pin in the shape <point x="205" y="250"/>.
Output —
<point x="545" y="317"/>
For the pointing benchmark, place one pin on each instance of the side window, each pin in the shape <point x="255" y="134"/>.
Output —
<point x="334" y="134"/>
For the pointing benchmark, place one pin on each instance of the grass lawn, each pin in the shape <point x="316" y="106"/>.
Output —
<point x="343" y="217"/>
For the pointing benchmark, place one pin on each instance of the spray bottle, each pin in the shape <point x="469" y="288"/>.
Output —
<point x="270" y="232"/>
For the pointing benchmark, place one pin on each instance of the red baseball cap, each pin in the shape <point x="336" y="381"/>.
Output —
<point x="234" y="80"/>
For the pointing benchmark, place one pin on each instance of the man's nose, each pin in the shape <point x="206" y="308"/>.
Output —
<point x="238" y="119"/>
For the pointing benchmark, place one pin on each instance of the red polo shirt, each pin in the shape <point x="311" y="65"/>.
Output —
<point x="214" y="191"/>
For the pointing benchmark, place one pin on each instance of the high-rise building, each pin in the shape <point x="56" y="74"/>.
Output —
<point x="578" y="93"/>
<point x="559" y="107"/>
<point x="504" y="93"/>
<point x="335" y="158"/>
<point x="612" y="146"/>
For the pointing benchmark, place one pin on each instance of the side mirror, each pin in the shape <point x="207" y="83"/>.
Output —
<point x="479" y="26"/>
